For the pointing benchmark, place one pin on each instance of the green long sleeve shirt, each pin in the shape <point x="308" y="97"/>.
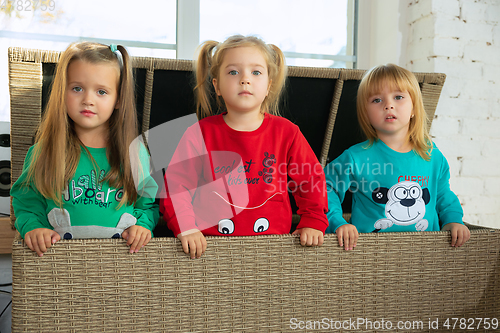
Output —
<point x="90" y="206"/>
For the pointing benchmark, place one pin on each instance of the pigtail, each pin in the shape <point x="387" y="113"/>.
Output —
<point x="278" y="73"/>
<point x="123" y="129"/>
<point x="203" y="89"/>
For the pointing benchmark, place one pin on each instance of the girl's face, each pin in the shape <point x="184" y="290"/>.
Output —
<point x="243" y="80"/>
<point x="389" y="112"/>
<point x="91" y="97"/>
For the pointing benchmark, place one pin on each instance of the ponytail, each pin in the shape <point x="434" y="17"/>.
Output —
<point x="277" y="75"/>
<point x="204" y="88"/>
<point x="123" y="129"/>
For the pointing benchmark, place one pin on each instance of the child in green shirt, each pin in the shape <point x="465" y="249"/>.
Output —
<point x="87" y="176"/>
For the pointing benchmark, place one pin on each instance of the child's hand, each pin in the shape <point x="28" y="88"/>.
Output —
<point x="347" y="235"/>
<point x="137" y="237"/>
<point x="193" y="242"/>
<point x="309" y="236"/>
<point x="459" y="233"/>
<point x="40" y="239"/>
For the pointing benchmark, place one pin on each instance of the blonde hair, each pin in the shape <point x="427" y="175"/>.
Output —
<point x="403" y="80"/>
<point x="207" y="67"/>
<point x="58" y="148"/>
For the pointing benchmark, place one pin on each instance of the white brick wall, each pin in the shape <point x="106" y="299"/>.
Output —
<point x="461" y="38"/>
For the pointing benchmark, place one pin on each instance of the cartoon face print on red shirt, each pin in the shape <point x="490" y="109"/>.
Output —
<point x="241" y="178"/>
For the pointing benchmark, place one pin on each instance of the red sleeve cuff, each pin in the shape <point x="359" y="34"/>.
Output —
<point x="315" y="223"/>
<point x="188" y="223"/>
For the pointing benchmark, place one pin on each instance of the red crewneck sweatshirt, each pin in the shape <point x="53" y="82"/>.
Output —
<point x="227" y="182"/>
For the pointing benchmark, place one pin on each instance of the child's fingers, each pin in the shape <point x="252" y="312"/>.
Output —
<point x="463" y="236"/>
<point x="315" y="236"/>
<point x="203" y="244"/>
<point x="347" y="241"/>
<point x="340" y="238"/>
<point x="315" y="241"/>
<point x="321" y="239"/>
<point x="55" y="237"/>
<point x="125" y="234"/>
<point x="32" y="242"/>
<point x="131" y="236"/>
<point x="311" y="237"/>
<point x="304" y="239"/>
<point x="42" y="242"/>
<point x="142" y="241"/>
<point x="27" y="240"/>
<point x="47" y="238"/>
<point x="148" y="238"/>
<point x="467" y="235"/>
<point x="199" y="248"/>
<point x="134" y="240"/>
<point x="354" y="238"/>
<point x="185" y="245"/>
<point x="311" y="240"/>
<point x="454" y="237"/>
<point x="39" y="244"/>
<point x="36" y="248"/>
<point x="460" y="238"/>
<point x="192" y="248"/>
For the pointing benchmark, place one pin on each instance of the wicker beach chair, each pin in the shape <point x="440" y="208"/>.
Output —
<point x="403" y="281"/>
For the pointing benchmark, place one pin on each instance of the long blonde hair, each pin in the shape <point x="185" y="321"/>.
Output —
<point x="207" y="67"/>
<point x="404" y="80"/>
<point x="58" y="148"/>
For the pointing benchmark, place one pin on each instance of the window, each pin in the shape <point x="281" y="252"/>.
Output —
<point x="147" y="29"/>
<point x="315" y="33"/>
<point x="310" y="33"/>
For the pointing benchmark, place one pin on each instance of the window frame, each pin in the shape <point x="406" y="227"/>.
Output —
<point x="188" y="36"/>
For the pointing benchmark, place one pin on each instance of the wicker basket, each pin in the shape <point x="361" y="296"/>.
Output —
<point x="245" y="284"/>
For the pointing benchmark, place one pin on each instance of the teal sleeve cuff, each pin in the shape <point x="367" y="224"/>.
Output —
<point x="451" y="217"/>
<point x="334" y="223"/>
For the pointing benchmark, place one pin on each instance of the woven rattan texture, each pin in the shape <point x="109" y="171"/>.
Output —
<point x="331" y="122"/>
<point x="253" y="284"/>
<point x="244" y="284"/>
<point x="25" y="85"/>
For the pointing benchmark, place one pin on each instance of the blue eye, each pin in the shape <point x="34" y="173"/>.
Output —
<point x="256" y="73"/>
<point x="101" y="92"/>
<point x="77" y="89"/>
<point x="233" y="72"/>
<point x="399" y="97"/>
<point x="377" y="100"/>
